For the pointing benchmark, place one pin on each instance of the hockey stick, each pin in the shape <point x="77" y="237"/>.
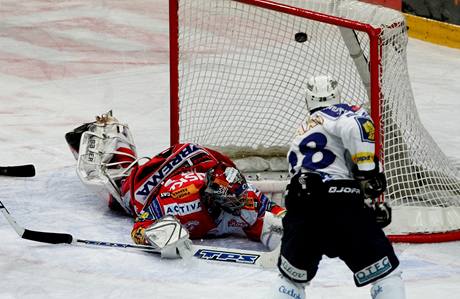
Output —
<point x="27" y="170"/>
<point x="209" y="253"/>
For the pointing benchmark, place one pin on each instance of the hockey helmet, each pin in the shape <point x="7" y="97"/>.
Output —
<point x="322" y="91"/>
<point x="226" y="188"/>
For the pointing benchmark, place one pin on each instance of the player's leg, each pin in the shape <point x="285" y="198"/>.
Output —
<point x="389" y="287"/>
<point x="300" y="244"/>
<point x="366" y="250"/>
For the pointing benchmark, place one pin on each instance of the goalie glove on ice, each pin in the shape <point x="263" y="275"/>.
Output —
<point x="168" y="235"/>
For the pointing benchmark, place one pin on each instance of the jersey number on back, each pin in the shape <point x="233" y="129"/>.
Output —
<point x="313" y="152"/>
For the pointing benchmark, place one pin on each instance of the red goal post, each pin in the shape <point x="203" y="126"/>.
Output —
<point x="238" y="71"/>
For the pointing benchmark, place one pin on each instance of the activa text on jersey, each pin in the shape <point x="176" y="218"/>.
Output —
<point x="348" y="190"/>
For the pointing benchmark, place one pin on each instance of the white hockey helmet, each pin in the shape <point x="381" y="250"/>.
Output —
<point x="322" y="91"/>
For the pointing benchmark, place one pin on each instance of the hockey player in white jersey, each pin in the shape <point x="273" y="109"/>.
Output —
<point x="335" y="173"/>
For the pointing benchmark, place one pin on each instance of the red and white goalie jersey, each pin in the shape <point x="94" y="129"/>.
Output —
<point x="172" y="183"/>
<point x="181" y="196"/>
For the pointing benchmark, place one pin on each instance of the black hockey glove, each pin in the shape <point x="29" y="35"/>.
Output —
<point x="382" y="213"/>
<point x="302" y="188"/>
<point x="373" y="186"/>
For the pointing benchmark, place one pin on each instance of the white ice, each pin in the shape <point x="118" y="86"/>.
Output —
<point x="59" y="68"/>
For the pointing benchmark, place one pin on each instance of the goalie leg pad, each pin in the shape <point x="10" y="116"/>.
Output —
<point x="389" y="287"/>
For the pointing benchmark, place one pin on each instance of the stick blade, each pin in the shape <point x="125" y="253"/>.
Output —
<point x="27" y="170"/>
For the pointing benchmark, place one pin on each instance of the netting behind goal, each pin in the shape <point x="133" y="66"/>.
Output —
<point x="238" y="73"/>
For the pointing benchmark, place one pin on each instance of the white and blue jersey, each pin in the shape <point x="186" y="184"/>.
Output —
<point x="331" y="139"/>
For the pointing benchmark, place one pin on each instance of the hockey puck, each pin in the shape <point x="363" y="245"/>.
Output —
<point x="301" y="37"/>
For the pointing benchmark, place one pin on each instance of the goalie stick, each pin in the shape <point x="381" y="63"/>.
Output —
<point x="27" y="170"/>
<point x="209" y="253"/>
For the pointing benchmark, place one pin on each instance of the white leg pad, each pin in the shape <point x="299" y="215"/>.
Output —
<point x="389" y="287"/>
<point x="284" y="288"/>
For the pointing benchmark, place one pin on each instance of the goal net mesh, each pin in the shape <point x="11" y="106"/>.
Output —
<point x="242" y="68"/>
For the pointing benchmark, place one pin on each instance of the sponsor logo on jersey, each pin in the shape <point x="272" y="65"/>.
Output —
<point x="184" y="178"/>
<point x="348" y="190"/>
<point x="291" y="271"/>
<point x="186" y="153"/>
<point x="226" y="256"/>
<point x="165" y="194"/>
<point x="183" y="208"/>
<point x="373" y="271"/>
<point x="367" y="129"/>
<point x="184" y="192"/>
<point x="363" y="158"/>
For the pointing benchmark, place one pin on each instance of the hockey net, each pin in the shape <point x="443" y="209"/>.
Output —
<point x="238" y="72"/>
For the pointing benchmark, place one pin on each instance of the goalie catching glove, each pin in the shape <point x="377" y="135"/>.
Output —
<point x="168" y="235"/>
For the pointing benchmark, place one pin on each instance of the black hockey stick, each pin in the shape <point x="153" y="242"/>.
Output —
<point x="27" y="170"/>
<point x="210" y="253"/>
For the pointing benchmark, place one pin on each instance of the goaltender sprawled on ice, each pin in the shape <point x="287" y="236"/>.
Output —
<point x="186" y="192"/>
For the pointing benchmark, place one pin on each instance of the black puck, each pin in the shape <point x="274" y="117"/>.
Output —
<point x="301" y="37"/>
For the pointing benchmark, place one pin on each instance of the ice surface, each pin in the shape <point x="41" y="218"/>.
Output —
<point x="64" y="62"/>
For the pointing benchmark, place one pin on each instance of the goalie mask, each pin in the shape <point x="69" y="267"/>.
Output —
<point x="226" y="188"/>
<point x="322" y="91"/>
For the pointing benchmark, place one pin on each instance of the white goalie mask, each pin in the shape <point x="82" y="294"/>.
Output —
<point x="322" y="91"/>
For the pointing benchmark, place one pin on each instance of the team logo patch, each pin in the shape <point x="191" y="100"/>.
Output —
<point x="367" y="129"/>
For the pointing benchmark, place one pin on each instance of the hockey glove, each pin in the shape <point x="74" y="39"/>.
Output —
<point x="382" y="213"/>
<point x="168" y="235"/>
<point x="373" y="186"/>
<point x="302" y="188"/>
<point x="373" y="182"/>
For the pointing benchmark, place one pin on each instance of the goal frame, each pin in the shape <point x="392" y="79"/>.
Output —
<point x="375" y="93"/>
<point x="374" y="56"/>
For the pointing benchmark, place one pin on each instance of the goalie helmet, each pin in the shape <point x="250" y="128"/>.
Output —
<point x="322" y="91"/>
<point x="226" y="188"/>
